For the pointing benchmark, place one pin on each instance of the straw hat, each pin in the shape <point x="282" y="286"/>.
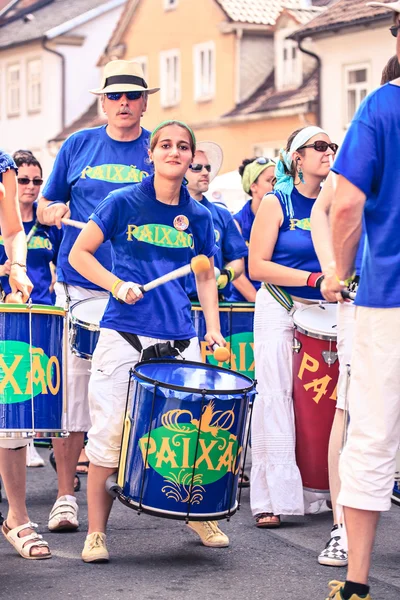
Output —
<point x="214" y="154"/>
<point x="123" y="76"/>
<point x="395" y="6"/>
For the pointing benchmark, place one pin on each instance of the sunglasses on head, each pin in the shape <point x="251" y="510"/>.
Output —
<point x="26" y="180"/>
<point x="394" y="30"/>
<point x="129" y="95"/>
<point x="262" y="160"/>
<point x="197" y="168"/>
<point x="321" y="146"/>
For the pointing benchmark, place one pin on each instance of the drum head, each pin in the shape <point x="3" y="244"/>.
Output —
<point x="89" y="311"/>
<point x="193" y="377"/>
<point x="319" y="321"/>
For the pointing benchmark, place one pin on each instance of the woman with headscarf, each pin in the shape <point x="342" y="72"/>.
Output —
<point x="282" y="256"/>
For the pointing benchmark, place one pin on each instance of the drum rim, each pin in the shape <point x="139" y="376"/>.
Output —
<point x="85" y="324"/>
<point x="179" y="388"/>
<point x="228" y="307"/>
<point x="315" y="335"/>
<point x="44" y="309"/>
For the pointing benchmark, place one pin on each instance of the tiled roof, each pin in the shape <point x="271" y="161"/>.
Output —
<point x="303" y="15"/>
<point x="343" y="13"/>
<point x="50" y="13"/>
<point x="266" y="98"/>
<point x="260" y="12"/>
<point x="90" y="118"/>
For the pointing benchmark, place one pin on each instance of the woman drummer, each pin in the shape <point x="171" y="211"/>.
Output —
<point x="153" y="227"/>
<point x="258" y="177"/>
<point x="17" y="528"/>
<point x="283" y="257"/>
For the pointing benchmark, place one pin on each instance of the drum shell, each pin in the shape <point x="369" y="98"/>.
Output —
<point x="163" y="488"/>
<point x="83" y="341"/>
<point x="236" y="320"/>
<point x="314" y="410"/>
<point x="18" y="418"/>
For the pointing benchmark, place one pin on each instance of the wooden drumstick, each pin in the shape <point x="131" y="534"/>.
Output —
<point x="73" y="223"/>
<point x="221" y="353"/>
<point x="198" y="264"/>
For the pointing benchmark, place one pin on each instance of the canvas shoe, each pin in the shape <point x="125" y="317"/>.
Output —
<point x="335" y="551"/>
<point x="209" y="533"/>
<point x="335" y="593"/>
<point x="64" y="514"/>
<point x="33" y="458"/>
<point x="95" y="549"/>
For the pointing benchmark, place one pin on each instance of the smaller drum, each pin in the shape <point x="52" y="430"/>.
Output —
<point x="32" y="402"/>
<point x="85" y="317"/>
<point x="183" y="440"/>
<point x="315" y="377"/>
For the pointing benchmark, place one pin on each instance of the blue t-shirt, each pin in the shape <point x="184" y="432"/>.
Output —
<point x="369" y="159"/>
<point x="151" y="238"/>
<point x="245" y="217"/>
<point x="42" y="250"/>
<point x="88" y="167"/>
<point x="6" y="163"/>
<point x="294" y="247"/>
<point x="231" y="245"/>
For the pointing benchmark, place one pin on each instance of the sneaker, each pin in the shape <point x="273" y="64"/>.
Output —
<point x="335" y="551"/>
<point x="33" y="458"/>
<point x="396" y="490"/>
<point x="209" y="533"/>
<point x="335" y="593"/>
<point x="64" y="514"/>
<point x="95" y="550"/>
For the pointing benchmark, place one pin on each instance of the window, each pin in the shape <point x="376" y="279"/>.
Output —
<point x="291" y="68"/>
<point x="204" y="71"/>
<point x="268" y="150"/>
<point x="170" y="78"/>
<point x="34" y="82"/>
<point x="170" y="4"/>
<point x="143" y="62"/>
<point x="356" y="88"/>
<point x="13" y="90"/>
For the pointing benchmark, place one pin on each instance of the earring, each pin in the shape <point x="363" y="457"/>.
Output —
<point x="300" y="174"/>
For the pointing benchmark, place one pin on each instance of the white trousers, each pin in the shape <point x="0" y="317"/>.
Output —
<point x="276" y="484"/>
<point x="345" y="333"/>
<point x="108" y="387"/>
<point x="78" y="369"/>
<point x="368" y="461"/>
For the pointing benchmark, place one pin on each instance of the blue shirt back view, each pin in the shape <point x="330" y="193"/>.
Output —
<point x="245" y="217"/>
<point x="88" y="167"/>
<point x="231" y="245"/>
<point x="369" y="159"/>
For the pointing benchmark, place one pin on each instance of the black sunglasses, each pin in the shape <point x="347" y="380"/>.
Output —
<point x="197" y="168"/>
<point x="129" y="95"/>
<point x="394" y="30"/>
<point x="321" y="146"/>
<point x="26" y="180"/>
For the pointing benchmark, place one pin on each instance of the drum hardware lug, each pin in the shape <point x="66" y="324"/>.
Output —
<point x="329" y="357"/>
<point x="296" y="347"/>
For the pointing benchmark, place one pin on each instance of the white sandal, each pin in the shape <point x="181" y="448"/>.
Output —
<point x="24" y="545"/>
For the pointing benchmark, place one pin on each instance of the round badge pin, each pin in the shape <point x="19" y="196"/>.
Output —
<point x="181" y="222"/>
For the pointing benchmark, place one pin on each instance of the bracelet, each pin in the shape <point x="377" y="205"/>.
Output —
<point x="15" y="263"/>
<point x="229" y="272"/>
<point x="314" y="280"/>
<point x="114" y="285"/>
<point x="345" y="282"/>
<point x="55" y="202"/>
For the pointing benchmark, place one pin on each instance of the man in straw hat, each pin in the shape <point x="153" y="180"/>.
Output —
<point x="90" y="164"/>
<point x="229" y="260"/>
<point x="368" y="188"/>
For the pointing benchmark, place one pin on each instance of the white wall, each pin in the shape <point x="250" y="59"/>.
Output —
<point x="371" y="46"/>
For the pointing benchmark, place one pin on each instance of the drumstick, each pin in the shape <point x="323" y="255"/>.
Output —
<point x="72" y="223"/>
<point x="32" y="232"/>
<point x="347" y="295"/>
<point x="198" y="264"/>
<point x="221" y="353"/>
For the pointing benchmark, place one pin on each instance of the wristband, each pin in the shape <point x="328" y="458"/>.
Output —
<point x="55" y="202"/>
<point x="114" y="285"/>
<point x="229" y="272"/>
<point x="314" y="280"/>
<point x="345" y="282"/>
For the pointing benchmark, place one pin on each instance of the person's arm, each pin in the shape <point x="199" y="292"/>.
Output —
<point x="245" y="287"/>
<point x="14" y="236"/>
<point x="208" y="297"/>
<point x="83" y="260"/>
<point x="264" y="235"/>
<point x="51" y="214"/>
<point x="230" y="272"/>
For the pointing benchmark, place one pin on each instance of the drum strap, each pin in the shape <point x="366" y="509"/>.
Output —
<point x="160" y="350"/>
<point x="280" y="296"/>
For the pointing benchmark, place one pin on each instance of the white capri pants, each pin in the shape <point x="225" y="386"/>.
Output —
<point x="112" y="360"/>
<point x="78" y="369"/>
<point x="345" y="334"/>
<point x="368" y="461"/>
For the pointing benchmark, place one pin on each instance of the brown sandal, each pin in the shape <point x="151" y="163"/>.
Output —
<point x="272" y="521"/>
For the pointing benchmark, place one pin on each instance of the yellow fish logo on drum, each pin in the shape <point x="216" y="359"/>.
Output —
<point x="23" y="375"/>
<point x="180" y="446"/>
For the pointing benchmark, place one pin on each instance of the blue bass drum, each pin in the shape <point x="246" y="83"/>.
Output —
<point x="85" y="317"/>
<point x="31" y="371"/>
<point x="183" y="440"/>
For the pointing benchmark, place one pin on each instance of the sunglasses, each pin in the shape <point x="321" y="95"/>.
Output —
<point x="26" y="181"/>
<point x="261" y="160"/>
<point x="321" y="146"/>
<point x="129" y="95"/>
<point x="394" y="30"/>
<point x="197" y="168"/>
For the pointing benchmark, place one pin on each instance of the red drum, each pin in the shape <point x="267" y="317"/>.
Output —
<point x="315" y="376"/>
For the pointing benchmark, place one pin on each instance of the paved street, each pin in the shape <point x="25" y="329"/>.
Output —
<point x="155" y="559"/>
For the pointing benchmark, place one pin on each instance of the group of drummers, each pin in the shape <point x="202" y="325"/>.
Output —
<point x="277" y="252"/>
